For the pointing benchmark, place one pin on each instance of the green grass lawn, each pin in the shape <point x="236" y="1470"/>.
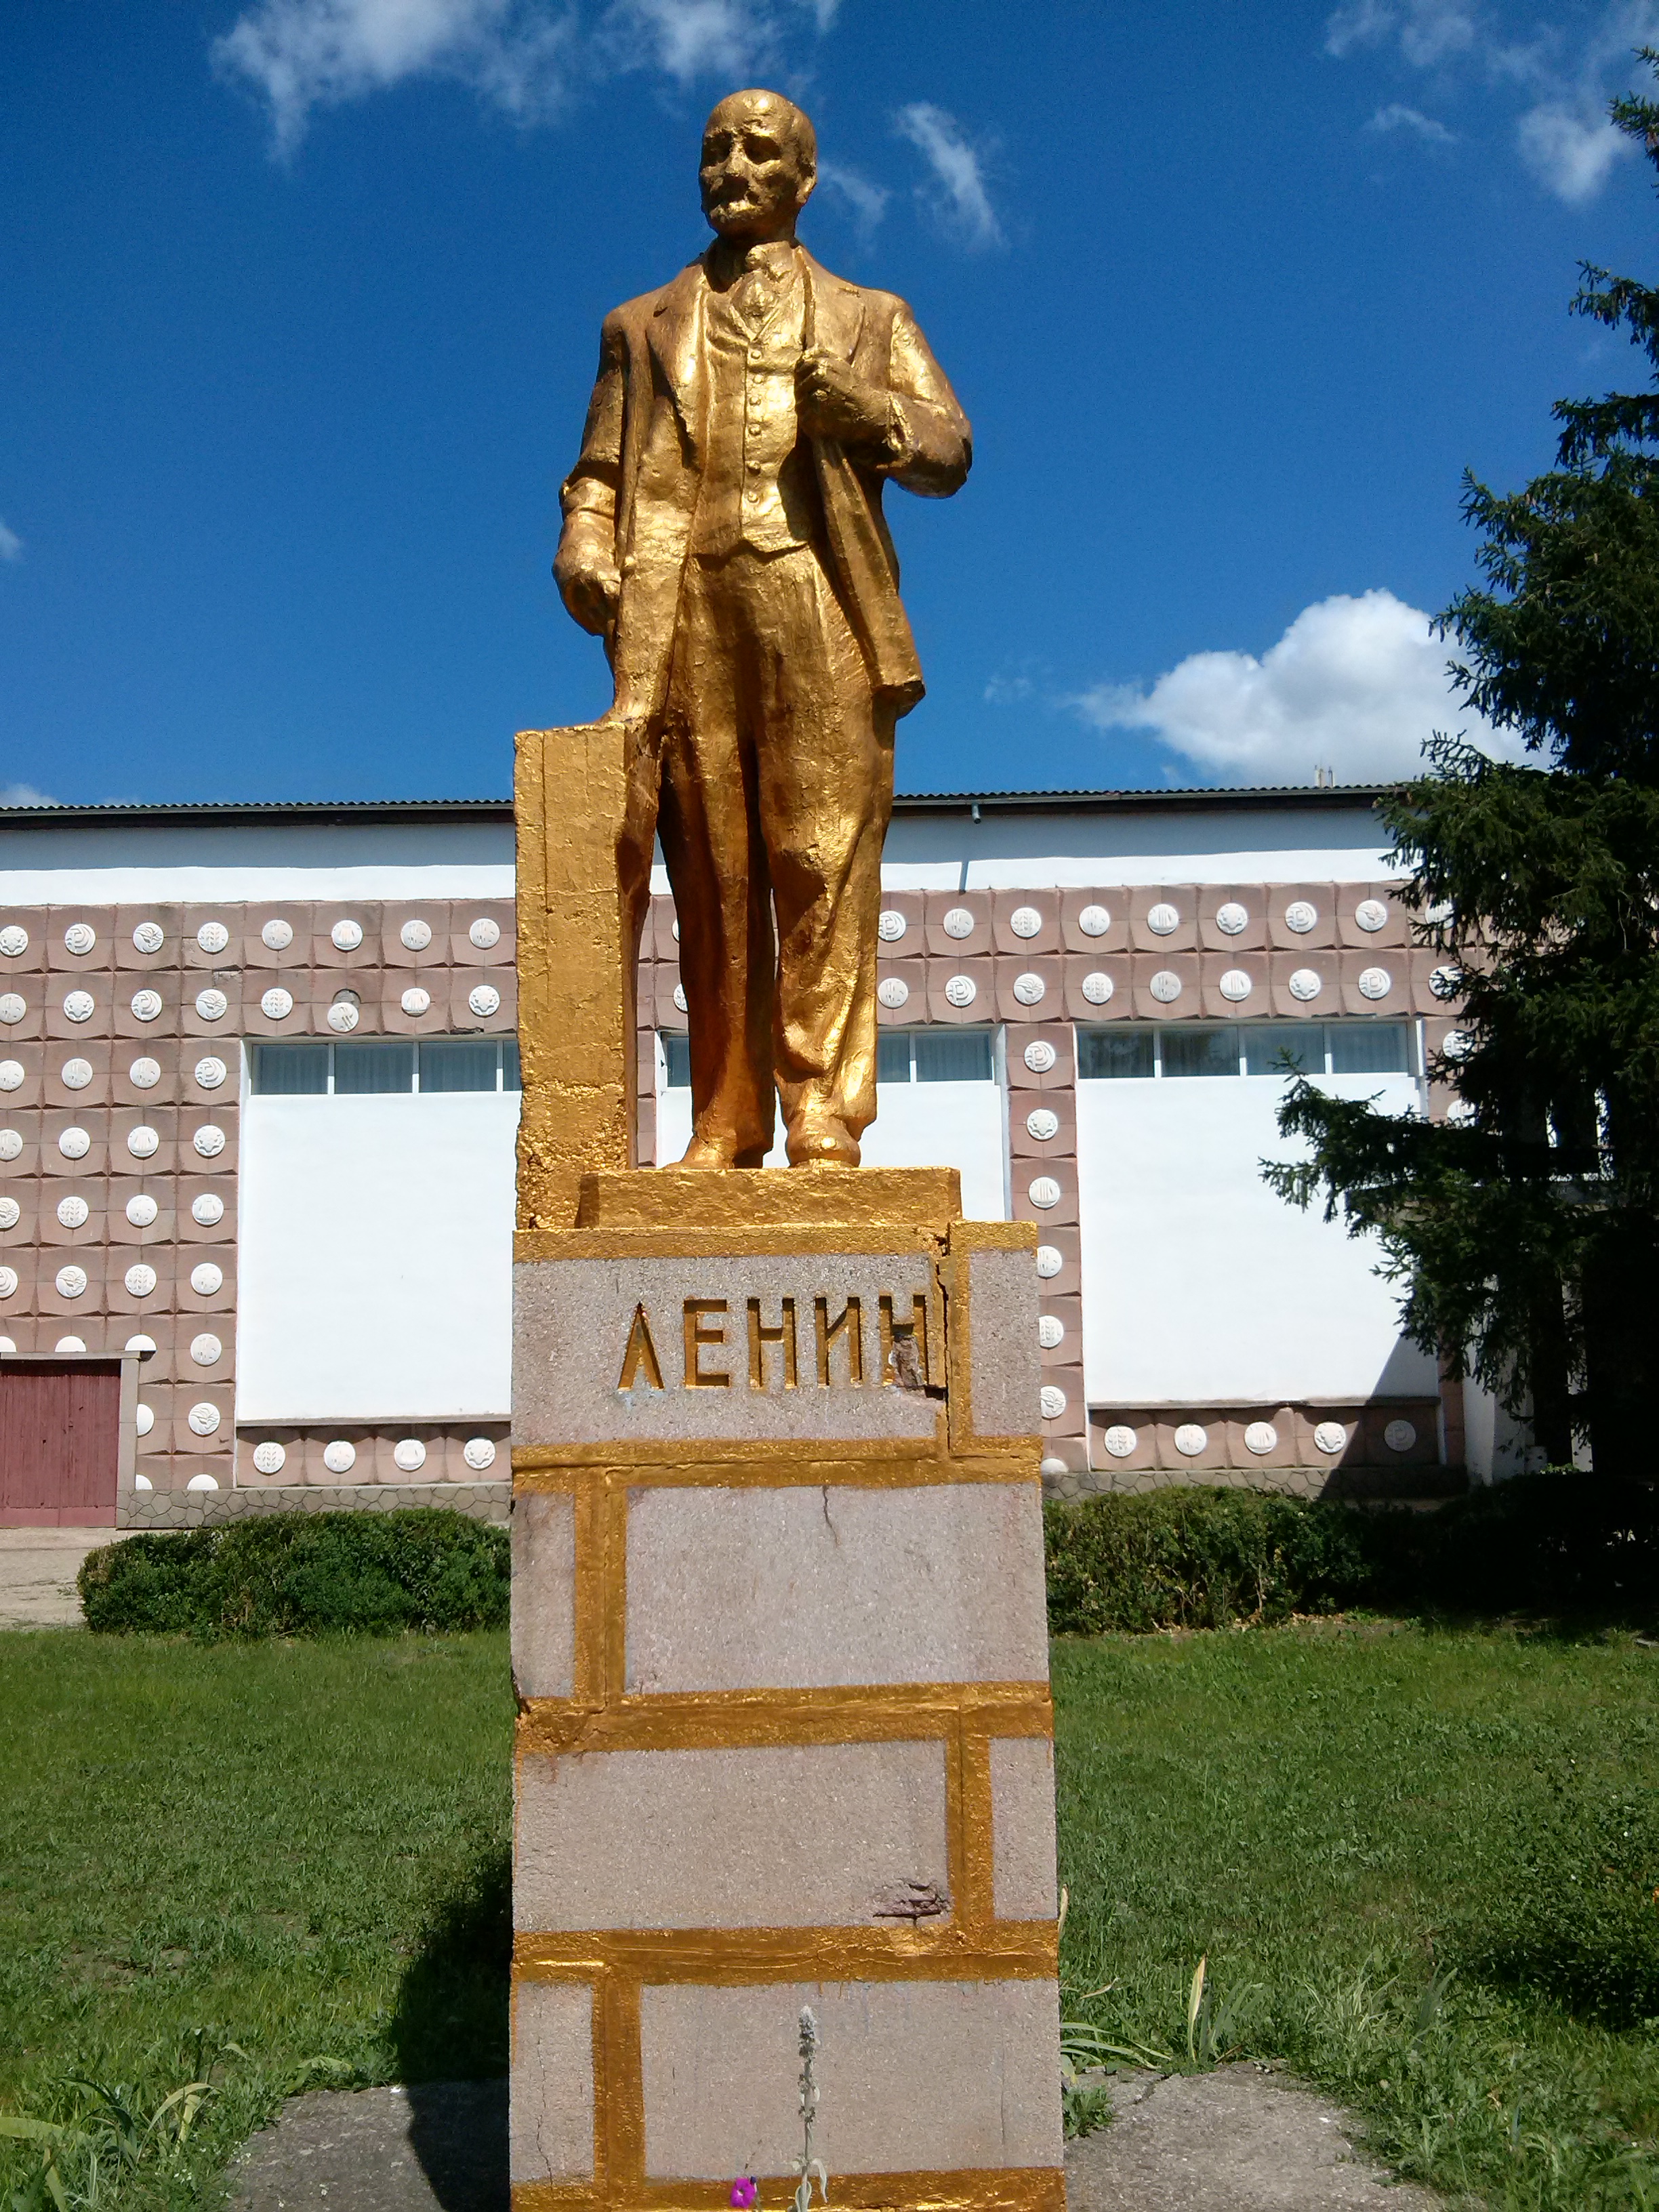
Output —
<point x="297" y="1849"/>
<point x="1384" y="1842"/>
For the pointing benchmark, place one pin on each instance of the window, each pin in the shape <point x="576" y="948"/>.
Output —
<point x="1271" y="1048"/>
<point x="892" y="1055"/>
<point x="381" y="1066"/>
<point x="945" y="1055"/>
<point x="676" y="1057"/>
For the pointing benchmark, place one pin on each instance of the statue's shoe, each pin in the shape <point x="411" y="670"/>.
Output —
<point x="822" y="1140"/>
<point x="707" y="1152"/>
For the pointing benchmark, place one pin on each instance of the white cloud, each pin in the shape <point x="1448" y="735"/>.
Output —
<point x="1428" y="31"/>
<point x="1393" y="117"/>
<point x="11" y="546"/>
<point x="1354" y="684"/>
<point x="958" y="190"/>
<point x="867" y="201"/>
<point x="1569" y="154"/>
<point x="24" y="794"/>
<point x="523" y="55"/>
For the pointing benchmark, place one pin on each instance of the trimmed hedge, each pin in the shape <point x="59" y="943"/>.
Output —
<point x="303" y="1574"/>
<point x="1203" y="1557"/>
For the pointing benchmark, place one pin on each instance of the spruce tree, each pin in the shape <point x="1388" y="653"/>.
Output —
<point x="1524" y="1227"/>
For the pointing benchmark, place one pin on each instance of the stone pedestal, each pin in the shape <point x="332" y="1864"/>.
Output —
<point x="785" y="1734"/>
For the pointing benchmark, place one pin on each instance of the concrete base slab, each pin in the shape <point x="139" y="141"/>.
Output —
<point x="1238" y="2139"/>
<point x="438" y="2147"/>
<point x="38" y="1567"/>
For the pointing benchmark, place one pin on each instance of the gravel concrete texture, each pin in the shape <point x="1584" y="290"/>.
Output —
<point x="544" y="1593"/>
<point x="1240" y="2139"/>
<point x="38" y="1567"/>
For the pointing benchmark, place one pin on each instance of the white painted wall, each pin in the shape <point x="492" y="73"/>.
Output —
<point x="375" y="1250"/>
<point x="919" y="1124"/>
<point x="1198" y="1282"/>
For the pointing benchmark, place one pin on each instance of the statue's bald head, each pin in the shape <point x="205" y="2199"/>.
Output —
<point x="760" y="163"/>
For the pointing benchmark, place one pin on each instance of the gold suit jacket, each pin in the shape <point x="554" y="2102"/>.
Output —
<point x="633" y="492"/>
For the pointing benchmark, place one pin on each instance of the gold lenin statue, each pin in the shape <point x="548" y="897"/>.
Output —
<point x="723" y="533"/>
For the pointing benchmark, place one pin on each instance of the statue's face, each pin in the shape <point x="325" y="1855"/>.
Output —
<point x="754" y="180"/>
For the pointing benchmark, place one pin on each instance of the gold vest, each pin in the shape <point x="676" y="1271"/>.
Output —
<point x="758" y="490"/>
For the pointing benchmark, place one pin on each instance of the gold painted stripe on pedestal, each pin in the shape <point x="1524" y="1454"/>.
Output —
<point x="963" y="2188"/>
<point x="740" y="1958"/>
<point x="672" y="1240"/>
<point x="900" y="1464"/>
<point x="857" y="1713"/>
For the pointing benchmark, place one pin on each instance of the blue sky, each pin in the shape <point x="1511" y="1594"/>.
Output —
<point x="303" y="298"/>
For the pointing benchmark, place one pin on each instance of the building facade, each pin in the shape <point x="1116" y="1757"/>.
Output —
<point x="259" y="1088"/>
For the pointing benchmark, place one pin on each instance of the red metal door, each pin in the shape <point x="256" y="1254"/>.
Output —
<point x="60" y="1427"/>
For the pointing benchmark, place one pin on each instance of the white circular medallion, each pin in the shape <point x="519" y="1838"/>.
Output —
<point x="14" y="941"/>
<point x="77" y="1074"/>
<point x="70" y="1344"/>
<point x="277" y="935"/>
<point x="149" y="937"/>
<point x="961" y="991"/>
<point x="1235" y="985"/>
<point x="409" y="1456"/>
<point x="415" y="1002"/>
<point x="1330" y="1437"/>
<point x="1025" y="921"/>
<point x="73" y="1212"/>
<point x="1051" y="1331"/>
<point x="140" y="1343"/>
<point x="10" y="1214"/>
<point x="269" y="1458"/>
<point x="1097" y="987"/>
<point x="11" y="1074"/>
<point x="484" y="1000"/>
<point x="1371" y="915"/>
<point x="486" y="933"/>
<point x="146" y="1005"/>
<point x="140" y="1279"/>
<point x="680" y="999"/>
<point x="1163" y="920"/>
<point x="1262" y="1438"/>
<point x="13" y="1007"/>
<point x="208" y="1141"/>
<point x="1375" y="982"/>
<point x="889" y="925"/>
<point x="1400" y="1436"/>
<point x="71" y="1282"/>
<point x="79" y="938"/>
<point x="11" y="1144"/>
<point x="1120" y="1440"/>
<point x="1029" y="990"/>
<point x="1232" y="920"/>
<point x="1050" y="1261"/>
<point x="1042" y="1122"/>
<point x="1190" y="1439"/>
<point x="343" y="1016"/>
<point x="893" y="992"/>
<point x="346" y="935"/>
<point x="1044" y="1192"/>
<point x="958" y="923"/>
<point x="479" y="1453"/>
<point x="207" y="1279"/>
<point x="79" y="1006"/>
<point x="1455" y="1044"/>
<point x="1094" y="921"/>
<point x="144" y="1073"/>
<point x="1446" y="982"/>
<point x="74" y="1143"/>
<point x="8" y="1282"/>
<point x="206" y="1209"/>
<point x="203" y="1482"/>
<point x="1305" y="983"/>
<point x="213" y="937"/>
<point x="142" y="1210"/>
<point x="339" y="1457"/>
<point x="206" y="1348"/>
<point x="204" y="1418"/>
<point x="210" y="1004"/>
<point x="1039" y="1055"/>
<point x="1051" y="1400"/>
<point x="211" y="1072"/>
<point x="1301" y="917"/>
<point x="416" y="934"/>
<point x="143" y="1420"/>
<point x="276" y="1004"/>
<point x="1165" y="987"/>
<point x="142" y="1143"/>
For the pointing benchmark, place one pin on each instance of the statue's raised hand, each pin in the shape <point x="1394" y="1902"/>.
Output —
<point x="831" y="402"/>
